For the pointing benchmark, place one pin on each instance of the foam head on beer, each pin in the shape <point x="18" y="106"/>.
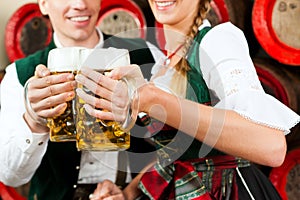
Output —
<point x="65" y="59"/>
<point x="73" y="58"/>
<point x="104" y="59"/>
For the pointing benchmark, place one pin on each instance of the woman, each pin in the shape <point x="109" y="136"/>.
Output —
<point x="210" y="92"/>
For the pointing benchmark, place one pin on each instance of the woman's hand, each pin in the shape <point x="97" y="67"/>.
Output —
<point x="47" y="95"/>
<point x="111" y="98"/>
<point x="107" y="190"/>
<point x="132" y="73"/>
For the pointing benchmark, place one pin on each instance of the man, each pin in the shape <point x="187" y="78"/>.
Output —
<point x="56" y="170"/>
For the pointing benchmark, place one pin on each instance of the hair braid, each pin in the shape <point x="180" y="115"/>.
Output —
<point x="203" y="7"/>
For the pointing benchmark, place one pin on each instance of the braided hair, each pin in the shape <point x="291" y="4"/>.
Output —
<point x="203" y="7"/>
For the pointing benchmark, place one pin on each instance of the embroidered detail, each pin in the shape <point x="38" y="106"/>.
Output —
<point x="187" y="179"/>
<point x="237" y="79"/>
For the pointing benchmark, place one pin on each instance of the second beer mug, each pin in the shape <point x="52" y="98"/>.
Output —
<point x="95" y="134"/>
<point x="63" y="60"/>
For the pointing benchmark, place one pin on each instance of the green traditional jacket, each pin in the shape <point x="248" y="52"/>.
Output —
<point x="58" y="171"/>
<point x="198" y="91"/>
<point x="174" y="144"/>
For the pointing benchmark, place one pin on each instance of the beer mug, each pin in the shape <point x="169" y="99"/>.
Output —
<point x="63" y="60"/>
<point x="102" y="135"/>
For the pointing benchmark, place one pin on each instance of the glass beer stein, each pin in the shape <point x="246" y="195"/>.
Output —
<point x="101" y="135"/>
<point x="63" y="60"/>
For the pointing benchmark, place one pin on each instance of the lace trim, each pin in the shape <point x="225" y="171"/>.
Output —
<point x="286" y="131"/>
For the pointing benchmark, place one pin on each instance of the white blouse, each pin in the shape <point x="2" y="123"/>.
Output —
<point x="230" y="75"/>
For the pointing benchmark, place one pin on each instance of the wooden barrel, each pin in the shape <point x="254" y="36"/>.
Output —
<point x="276" y="27"/>
<point x="286" y="178"/>
<point x="218" y="12"/>
<point x="237" y="12"/>
<point x="26" y="32"/>
<point x="230" y="10"/>
<point x="122" y="18"/>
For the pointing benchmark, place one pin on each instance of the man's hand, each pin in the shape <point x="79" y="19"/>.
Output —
<point x="47" y="96"/>
<point x="107" y="190"/>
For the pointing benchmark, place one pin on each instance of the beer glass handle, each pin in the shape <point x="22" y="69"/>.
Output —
<point x="29" y="109"/>
<point x="132" y="110"/>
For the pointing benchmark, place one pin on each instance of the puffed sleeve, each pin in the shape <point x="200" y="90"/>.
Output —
<point x="231" y="76"/>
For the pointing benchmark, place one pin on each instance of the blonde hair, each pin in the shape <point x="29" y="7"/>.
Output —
<point x="203" y="8"/>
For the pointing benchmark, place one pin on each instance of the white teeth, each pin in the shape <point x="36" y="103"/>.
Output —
<point x="165" y="3"/>
<point x="79" y="19"/>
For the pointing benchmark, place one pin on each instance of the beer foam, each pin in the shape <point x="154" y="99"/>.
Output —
<point x="105" y="58"/>
<point x="64" y="59"/>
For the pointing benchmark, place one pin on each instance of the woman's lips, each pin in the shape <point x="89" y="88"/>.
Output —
<point x="163" y="5"/>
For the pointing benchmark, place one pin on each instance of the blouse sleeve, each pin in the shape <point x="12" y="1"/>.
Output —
<point x="229" y="73"/>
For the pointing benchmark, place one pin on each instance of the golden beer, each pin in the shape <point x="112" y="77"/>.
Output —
<point x="94" y="134"/>
<point x="98" y="135"/>
<point x="62" y="128"/>
<point x="63" y="60"/>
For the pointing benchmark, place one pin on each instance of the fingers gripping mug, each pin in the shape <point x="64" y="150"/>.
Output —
<point x="63" y="60"/>
<point x="101" y="135"/>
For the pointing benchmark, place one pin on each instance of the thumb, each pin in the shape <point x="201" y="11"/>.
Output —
<point x="130" y="71"/>
<point x="41" y="71"/>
